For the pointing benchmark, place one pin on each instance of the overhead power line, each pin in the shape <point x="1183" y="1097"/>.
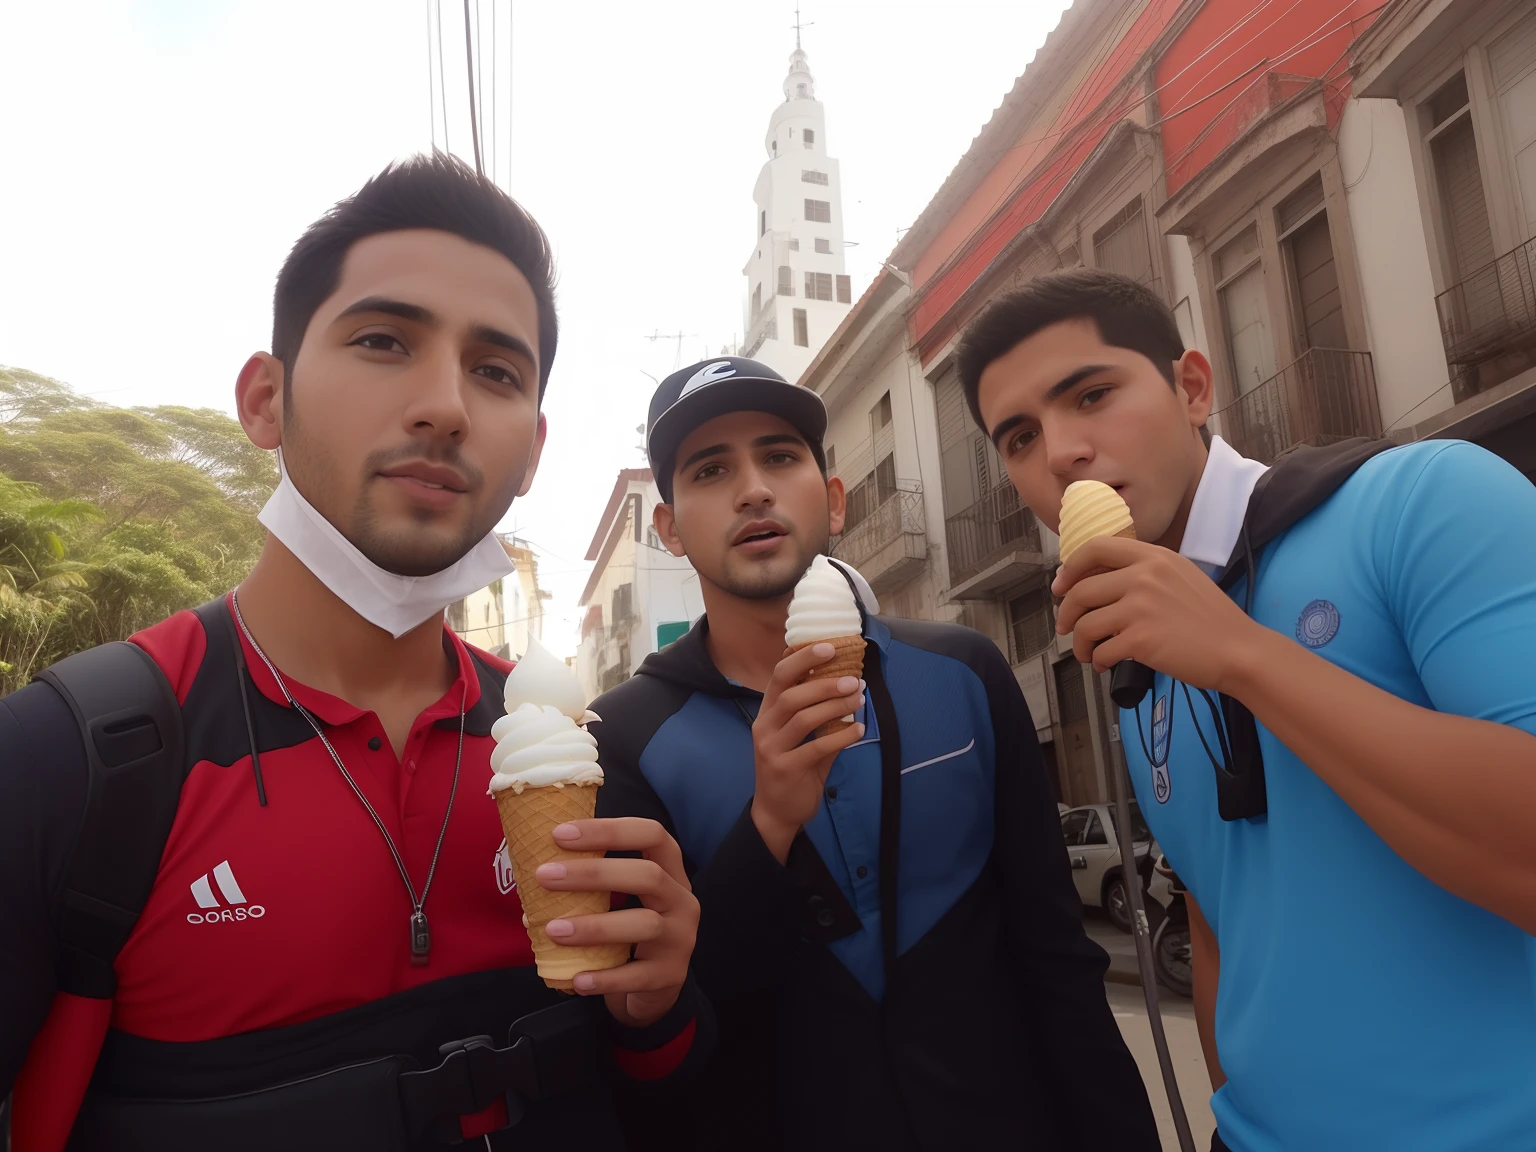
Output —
<point x="442" y="76"/>
<point x="469" y="63"/>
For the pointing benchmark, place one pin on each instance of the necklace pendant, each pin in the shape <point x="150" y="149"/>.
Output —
<point x="421" y="939"/>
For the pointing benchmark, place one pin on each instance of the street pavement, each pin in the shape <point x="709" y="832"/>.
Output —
<point x="1130" y="1009"/>
<point x="1123" y="987"/>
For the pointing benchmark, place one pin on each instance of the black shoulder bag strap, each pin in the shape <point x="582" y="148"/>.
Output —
<point x="131" y="724"/>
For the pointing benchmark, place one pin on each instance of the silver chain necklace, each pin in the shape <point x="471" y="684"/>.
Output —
<point x="421" y="933"/>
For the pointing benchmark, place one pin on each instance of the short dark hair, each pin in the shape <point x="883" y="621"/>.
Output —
<point x="1126" y="312"/>
<point x="437" y="192"/>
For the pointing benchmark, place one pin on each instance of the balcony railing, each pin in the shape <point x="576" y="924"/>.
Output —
<point x="890" y="544"/>
<point x="992" y="528"/>
<point x="1325" y="395"/>
<point x="1490" y="314"/>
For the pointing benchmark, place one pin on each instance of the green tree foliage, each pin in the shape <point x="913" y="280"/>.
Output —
<point x="113" y="518"/>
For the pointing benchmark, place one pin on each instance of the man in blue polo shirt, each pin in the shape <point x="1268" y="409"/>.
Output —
<point x="1359" y="828"/>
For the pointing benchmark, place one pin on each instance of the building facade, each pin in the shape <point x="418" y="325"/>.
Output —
<point x="638" y="597"/>
<point x="797" y="289"/>
<point x="1337" y="200"/>
<point x="502" y="616"/>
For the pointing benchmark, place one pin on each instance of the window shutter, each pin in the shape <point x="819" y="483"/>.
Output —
<point x="1460" y="182"/>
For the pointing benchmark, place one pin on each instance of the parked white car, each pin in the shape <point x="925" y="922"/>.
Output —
<point x="1093" y="851"/>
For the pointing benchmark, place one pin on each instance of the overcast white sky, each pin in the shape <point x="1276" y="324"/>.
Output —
<point x="160" y="156"/>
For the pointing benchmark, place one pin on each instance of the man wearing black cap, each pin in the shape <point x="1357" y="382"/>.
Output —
<point x="889" y="927"/>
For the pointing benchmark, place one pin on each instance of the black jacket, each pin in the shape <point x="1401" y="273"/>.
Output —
<point x="917" y="976"/>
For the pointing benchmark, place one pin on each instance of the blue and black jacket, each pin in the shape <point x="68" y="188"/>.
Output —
<point x="917" y="975"/>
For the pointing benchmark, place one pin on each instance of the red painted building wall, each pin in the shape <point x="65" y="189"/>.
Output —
<point x="1033" y="172"/>
<point x="1235" y="60"/>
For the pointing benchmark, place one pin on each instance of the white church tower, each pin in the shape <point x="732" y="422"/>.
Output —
<point x="797" y="291"/>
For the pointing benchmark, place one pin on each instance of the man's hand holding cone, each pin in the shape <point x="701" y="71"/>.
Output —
<point x="792" y="770"/>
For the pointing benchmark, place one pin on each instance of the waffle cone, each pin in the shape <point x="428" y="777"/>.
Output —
<point x="847" y="661"/>
<point x="529" y="819"/>
<point x="1127" y="533"/>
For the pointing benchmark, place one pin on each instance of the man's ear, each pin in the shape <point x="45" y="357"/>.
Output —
<point x="837" y="504"/>
<point x="1192" y="374"/>
<point x="666" y="528"/>
<point x="534" y="456"/>
<point x="259" y="400"/>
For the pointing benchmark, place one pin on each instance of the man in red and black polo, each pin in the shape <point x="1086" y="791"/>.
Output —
<point x="333" y="924"/>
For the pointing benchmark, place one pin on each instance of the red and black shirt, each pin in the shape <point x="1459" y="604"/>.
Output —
<point x="285" y="917"/>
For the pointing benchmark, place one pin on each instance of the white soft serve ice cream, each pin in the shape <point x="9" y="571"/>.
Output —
<point x="539" y="742"/>
<point x="823" y="606"/>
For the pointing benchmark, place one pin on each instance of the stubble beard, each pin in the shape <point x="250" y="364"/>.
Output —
<point x="771" y="580"/>
<point x="419" y="552"/>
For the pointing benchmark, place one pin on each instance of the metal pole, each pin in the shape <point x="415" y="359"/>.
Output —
<point x="1129" y="876"/>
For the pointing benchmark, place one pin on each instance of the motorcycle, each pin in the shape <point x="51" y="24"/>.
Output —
<point x="1170" y="943"/>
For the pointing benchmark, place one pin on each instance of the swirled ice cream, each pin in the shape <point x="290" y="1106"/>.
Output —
<point x="539" y="742"/>
<point x="1090" y="509"/>
<point x="544" y="773"/>
<point x="823" y="610"/>
<point x="542" y="747"/>
<point x="823" y="606"/>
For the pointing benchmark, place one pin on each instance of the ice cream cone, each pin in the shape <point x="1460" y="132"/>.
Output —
<point x="847" y="661"/>
<point x="529" y="819"/>
<point x="1128" y="533"/>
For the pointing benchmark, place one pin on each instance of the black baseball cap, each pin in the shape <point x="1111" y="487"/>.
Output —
<point x="710" y="388"/>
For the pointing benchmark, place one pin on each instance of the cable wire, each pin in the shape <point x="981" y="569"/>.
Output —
<point x="495" y="61"/>
<point x="431" y="81"/>
<point x="442" y="76"/>
<point x="469" y="64"/>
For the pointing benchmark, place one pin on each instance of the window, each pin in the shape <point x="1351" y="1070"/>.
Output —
<point x="794" y="245"/>
<point x="868" y="494"/>
<point x="623" y="604"/>
<point x="757" y="299"/>
<point x="844" y="290"/>
<point x="1245" y="311"/>
<point x="1094" y="832"/>
<point x="810" y="138"/>
<point x="762" y="222"/>
<point x="818" y="285"/>
<point x="823" y="245"/>
<point x="800" y="91"/>
<point x="785" y="287"/>
<point x="1510" y="60"/>
<point x="880" y="414"/>
<point x="818" y="211"/>
<point x="802" y="336"/>
<point x="1074" y="824"/>
<point x="1313" y="280"/>
<point x="1029" y="624"/>
<point x="1463" y="208"/>
<point x="1121" y="245"/>
<point x="775" y="147"/>
<point x="1140" y="833"/>
<point x="811" y="176"/>
<point x="831" y="461"/>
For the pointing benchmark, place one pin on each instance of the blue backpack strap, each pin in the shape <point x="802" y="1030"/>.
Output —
<point x="131" y="724"/>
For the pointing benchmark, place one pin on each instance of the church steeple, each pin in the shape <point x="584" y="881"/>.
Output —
<point x="797" y="289"/>
<point x="799" y="84"/>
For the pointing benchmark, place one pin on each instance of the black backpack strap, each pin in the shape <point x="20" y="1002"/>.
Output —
<point x="131" y="724"/>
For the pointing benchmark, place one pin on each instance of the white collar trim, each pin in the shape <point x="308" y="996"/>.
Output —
<point x="1220" y="504"/>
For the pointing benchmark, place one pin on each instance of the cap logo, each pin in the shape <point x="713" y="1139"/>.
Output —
<point x="708" y="374"/>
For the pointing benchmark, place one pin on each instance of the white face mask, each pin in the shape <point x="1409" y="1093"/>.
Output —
<point x="392" y="602"/>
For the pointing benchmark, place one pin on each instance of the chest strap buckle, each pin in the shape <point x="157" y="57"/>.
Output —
<point x="479" y="1088"/>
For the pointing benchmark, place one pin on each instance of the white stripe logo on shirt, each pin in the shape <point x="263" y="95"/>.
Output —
<point x="239" y="907"/>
